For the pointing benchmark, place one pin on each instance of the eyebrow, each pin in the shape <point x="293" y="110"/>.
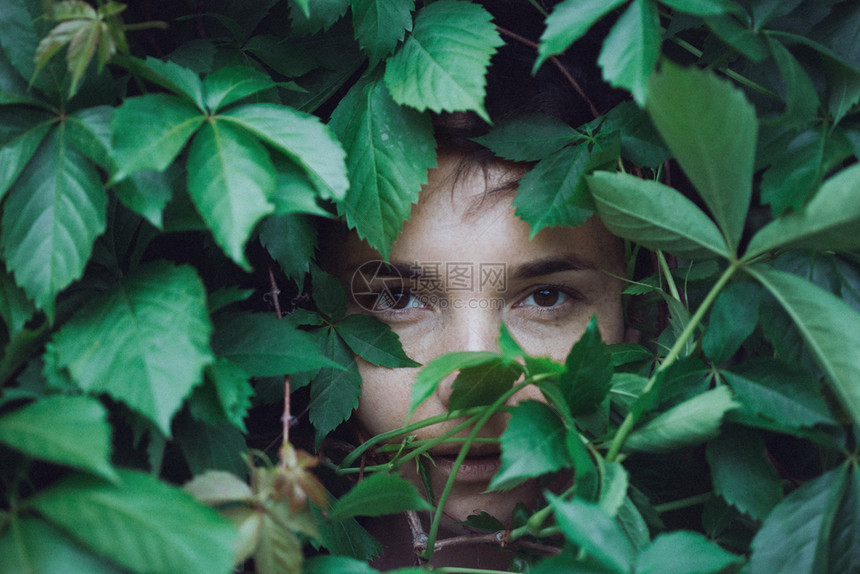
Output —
<point x="569" y="262"/>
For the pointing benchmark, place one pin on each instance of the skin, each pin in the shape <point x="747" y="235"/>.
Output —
<point x="555" y="283"/>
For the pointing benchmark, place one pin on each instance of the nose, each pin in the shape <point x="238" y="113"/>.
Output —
<point x="468" y="330"/>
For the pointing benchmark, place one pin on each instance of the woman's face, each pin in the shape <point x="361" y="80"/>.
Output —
<point x="460" y="270"/>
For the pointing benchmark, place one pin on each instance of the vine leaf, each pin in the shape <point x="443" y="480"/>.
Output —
<point x="741" y="472"/>
<point x="733" y="318"/>
<point x="632" y="48"/>
<point x="691" y="109"/>
<point x="21" y="132"/>
<point x="31" y="544"/>
<point x="827" y="222"/>
<point x="334" y="391"/>
<point x="683" y="552"/>
<point x="380" y="25"/>
<point x="377" y="495"/>
<point x="142" y="523"/>
<point x="588" y="372"/>
<point x="228" y="85"/>
<point x="830" y="327"/>
<point x="170" y="123"/>
<point x="533" y="444"/>
<point x="389" y="150"/>
<point x="654" y="215"/>
<point x="794" y="536"/>
<point x="51" y="219"/>
<point x="266" y="346"/>
<point x="373" y="341"/>
<point x="554" y="192"/>
<point x="788" y="395"/>
<point x="700" y="7"/>
<point x="692" y="422"/>
<point x="230" y="179"/>
<point x="483" y="384"/>
<point x="155" y="325"/>
<point x="68" y="430"/>
<point x="568" y="21"/>
<point x="182" y="81"/>
<point x="442" y="64"/>
<point x="530" y="137"/>
<point x="433" y="372"/>
<point x="591" y="528"/>
<point x="303" y="137"/>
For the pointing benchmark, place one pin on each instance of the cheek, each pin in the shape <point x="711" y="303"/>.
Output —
<point x="385" y="397"/>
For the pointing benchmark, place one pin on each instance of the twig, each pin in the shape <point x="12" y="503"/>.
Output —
<point x="419" y="537"/>
<point x="275" y="292"/>
<point x="557" y="63"/>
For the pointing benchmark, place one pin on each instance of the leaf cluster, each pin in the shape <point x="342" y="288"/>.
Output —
<point x="150" y="180"/>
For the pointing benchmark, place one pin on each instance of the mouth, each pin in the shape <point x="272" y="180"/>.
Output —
<point x="477" y="468"/>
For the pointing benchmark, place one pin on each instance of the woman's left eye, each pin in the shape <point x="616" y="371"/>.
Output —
<point x="545" y="297"/>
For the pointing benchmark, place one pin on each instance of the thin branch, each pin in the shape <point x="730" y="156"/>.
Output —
<point x="275" y="294"/>
<point x="557" y="63"/>
<point x="419" y="537"/>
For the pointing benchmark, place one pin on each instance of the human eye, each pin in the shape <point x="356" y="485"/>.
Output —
<point x="546" y="298"/>
<point x="396" y="300"/>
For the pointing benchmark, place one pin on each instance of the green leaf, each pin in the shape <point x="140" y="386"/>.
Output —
<point x="334" y="391"/>
<point x="530" y="137"/>
<point x="229" y="85"/>
<point x="21" y="132"/>
<point x="291" y="240"/>
<point x="692" y="422"/>
<point x="483" y="384"/>
<point x="741" y="472"/>
<point x="380" y="25"/>
<point x="313" y="19"/>
<point x="554" y="193"/>
<point x="740" y="36"/>
<point x="389" y="150"/>
<point x="801" y="99"/>
<point x="19" y="38"/>
<point x="170" y="122"/>
<point x="640" y="142"/>
<point x="533" y="444"/>
<point x="827" y="222"/>
<point x="734" y="317"/>
<point x="440" y="367"/>
<point x="451" y="45"/>
<point x="264" y="345"/>
<point x="377" y="495"/>
<point x="373" y="341"/>
<point x="780" y="392"/>
<point x="588" y="371"/>
<point x="230" y="179"/>
<point x="144" y="342"/>
<point x="691" y="110"/>
<point x="294" y="191"/>
<point x="700" y="7"/>
<point x="829" y="326"/>
<point x="51" y="219"/>
<point x="569" y="21"/>
<point x="589" y="527"/>
<point x="654" y="215"/>
<point x="233" y="390"/>
<point x="15" y="308"/>
<point x="71" y="430"/>
<point x="632" y="48"/>
<point x="302" y="137"/>
<point x="32" y="546"/>
<point x="180" y="80"/>
<point x="844" y="551"/>
<point x="339" y="564"/>
<point x="328" y="294"/>
<point x="796" y="532"/>
<point x="684" y="553"/>
<point x="142" y="524"/>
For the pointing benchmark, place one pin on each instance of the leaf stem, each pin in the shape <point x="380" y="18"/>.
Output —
<point x="631" y="418"/>
<point x="461" y="456"/>
<point x="684" y="502"/>
<point x="664" y="266"/>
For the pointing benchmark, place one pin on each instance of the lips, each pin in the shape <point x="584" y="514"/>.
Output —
<point x="480" y="468"/>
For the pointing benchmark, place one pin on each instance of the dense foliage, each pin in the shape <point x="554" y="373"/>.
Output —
<point x="159" y="162"/>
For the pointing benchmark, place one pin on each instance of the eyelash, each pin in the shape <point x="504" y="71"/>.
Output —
<point x="387" y="308"/>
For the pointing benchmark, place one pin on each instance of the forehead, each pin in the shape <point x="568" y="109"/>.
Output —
<point x="460" y="219"/>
